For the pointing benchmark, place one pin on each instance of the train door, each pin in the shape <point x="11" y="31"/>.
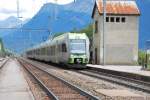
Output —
<point x="64" y="52"/>
<point x="57" y="52"/>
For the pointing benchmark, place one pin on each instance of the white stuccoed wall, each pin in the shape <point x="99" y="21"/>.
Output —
<point x="121" y="40"/>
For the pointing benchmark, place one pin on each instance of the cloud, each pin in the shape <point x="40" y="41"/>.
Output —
<point x="28" y="8"/>
<point x="60" y="1"/>
<point x="10" y="11"/>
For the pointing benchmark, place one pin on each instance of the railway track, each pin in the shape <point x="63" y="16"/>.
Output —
<point x="3" y="64"/>
<point x="132" y="83"/>
<point x="55" y="87"/>
<point x="125" y="79"/>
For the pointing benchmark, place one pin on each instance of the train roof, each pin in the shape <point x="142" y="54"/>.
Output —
<point x="65" y="35"/>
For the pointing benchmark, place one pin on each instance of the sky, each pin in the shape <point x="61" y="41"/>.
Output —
<point x="28" y="8"/>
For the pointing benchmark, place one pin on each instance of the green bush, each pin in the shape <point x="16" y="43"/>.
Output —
<point x="141" y="57"/>
<point x="88" y="30"/>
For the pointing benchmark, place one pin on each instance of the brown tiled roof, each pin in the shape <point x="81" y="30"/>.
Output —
<point x="122" y="7"/>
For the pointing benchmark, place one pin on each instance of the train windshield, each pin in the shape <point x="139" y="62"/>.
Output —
<point x="78" y="46"/>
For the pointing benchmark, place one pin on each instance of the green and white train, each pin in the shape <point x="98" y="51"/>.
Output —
<point x="70" y="49"/>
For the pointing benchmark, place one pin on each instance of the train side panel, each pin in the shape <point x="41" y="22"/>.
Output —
<point x="58" y="50"/>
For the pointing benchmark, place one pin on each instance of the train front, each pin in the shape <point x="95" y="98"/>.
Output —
<point x="79" y="49"/>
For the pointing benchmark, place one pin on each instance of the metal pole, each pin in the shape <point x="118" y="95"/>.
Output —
<point x="49" y="28"/>
<point x="104" y="19"/>
<point x="18" y="8"/>
<point x="46" y="1"/>
<point x="146" y="62"/>
<point x="55" y="11"/>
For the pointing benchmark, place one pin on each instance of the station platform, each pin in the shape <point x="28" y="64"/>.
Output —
<point x="120" y="68"/>
<point x="3" y="61"/>
<point x="13" y="85"/>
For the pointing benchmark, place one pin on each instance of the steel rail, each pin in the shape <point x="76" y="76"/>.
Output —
<point x="122" y="79"/>
<point x="124" y="75"/>
<point x="81" y="91"/>
<point x="48" y="92"/>
<point x="4" y="63"/>
<point x="128" y="82"/>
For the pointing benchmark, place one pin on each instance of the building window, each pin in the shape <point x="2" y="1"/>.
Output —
<point x="117" y="19"/>
<point x="96" y="54"/>
<point x="123" y="19"/>
<point x="112" y="19"/>
<point x="107" y="19"/>
<point x="96" y="26"/>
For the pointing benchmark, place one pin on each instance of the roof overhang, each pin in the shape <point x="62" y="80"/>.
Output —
<point x="120" y="8"/>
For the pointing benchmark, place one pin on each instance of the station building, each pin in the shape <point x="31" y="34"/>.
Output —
<point x="121" y="33"/>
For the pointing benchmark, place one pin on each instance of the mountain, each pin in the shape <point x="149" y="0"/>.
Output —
<point x="56" y="18"/>
<point x="10" y="22"/>
<point x="7" y="25"/>
<point x="53" y="19"/>
<point x="63" y="18"/>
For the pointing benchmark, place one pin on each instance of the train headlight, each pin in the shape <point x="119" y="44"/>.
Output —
<point x="86" y="60"/>
<point x="70" y="59"/>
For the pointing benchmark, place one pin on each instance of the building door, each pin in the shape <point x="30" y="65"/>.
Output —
<point x="91" y="57"/>
<point x="95" y="55"/>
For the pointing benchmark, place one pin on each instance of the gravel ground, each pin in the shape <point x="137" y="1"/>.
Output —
<point x="37" y="91"/>
<point x="91" y="84"/>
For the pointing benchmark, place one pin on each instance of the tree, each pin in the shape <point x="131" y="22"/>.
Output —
<point x="88" y="30"/>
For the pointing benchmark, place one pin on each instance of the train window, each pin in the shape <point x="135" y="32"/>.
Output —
<point x="48" y="50"/>
<point x="54" y="50"/>
<point x="77" y="46"/>
<point x="117" y="19"/>
<point x="31" y="52"/>
<point x="96" y="26"/>
<point x="44" y="51"/>
<point x="37" y="52"/>
<point x="64" y="48"/>
<point x="60" y="48"/>
<point x="40" y="51"/>
<point x="51" y="50"/>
